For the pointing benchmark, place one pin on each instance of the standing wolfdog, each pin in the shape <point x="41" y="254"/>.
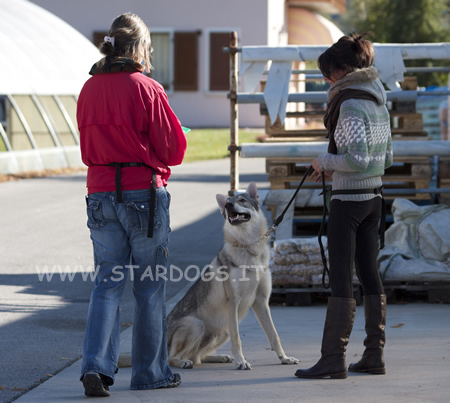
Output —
<point x="236" y="280"/>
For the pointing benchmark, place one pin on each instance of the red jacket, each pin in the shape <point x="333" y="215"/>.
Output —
<point x="126" y="117"/>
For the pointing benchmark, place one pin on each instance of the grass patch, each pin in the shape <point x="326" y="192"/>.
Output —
<point x="207" y="144"/>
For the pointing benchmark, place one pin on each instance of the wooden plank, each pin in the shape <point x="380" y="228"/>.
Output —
<point x="399" y="137"/>
<point x="305" y="114"/>
<point x="294" y="139"/>
<point x="411" y="121"/>
<point x="307" y="160"/>
<point x="408" y="132"/>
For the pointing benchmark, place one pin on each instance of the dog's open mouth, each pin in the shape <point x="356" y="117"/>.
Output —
<point x="238" y="218"/>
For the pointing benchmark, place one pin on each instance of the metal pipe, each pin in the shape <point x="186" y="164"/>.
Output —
<point x="421" y="148"/>
<point x="437" y="69"/>
<point x="67" y="118"/>
<point x="283" y="53"/>
<point x="414" y="191"/>
<point x="23" y="121"/>
<point x="234" y="116"/>
<point x="320" y="97"/>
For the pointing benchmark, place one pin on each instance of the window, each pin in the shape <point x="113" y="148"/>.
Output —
<point x="162" y="58"/>
<point x="17" y="133"/>
<point x="219" y="61"/>
<point x="175" y="60"/>
<point x="35" y="121"/>
<point x="52" y="106"/>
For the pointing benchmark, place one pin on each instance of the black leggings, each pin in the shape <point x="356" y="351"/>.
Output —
<point x="353" y="237"/>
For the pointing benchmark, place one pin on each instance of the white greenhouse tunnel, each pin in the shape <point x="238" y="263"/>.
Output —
<point x="45" y="63"/>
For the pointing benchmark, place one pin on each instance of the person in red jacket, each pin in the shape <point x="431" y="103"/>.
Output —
<point x="129" y="137"/>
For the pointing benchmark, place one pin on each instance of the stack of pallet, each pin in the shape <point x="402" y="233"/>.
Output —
<point x="444" y="179"/>
<point x="406" y="173"/>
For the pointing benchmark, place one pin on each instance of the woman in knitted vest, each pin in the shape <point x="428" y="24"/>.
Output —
<point x="360" y="149"/>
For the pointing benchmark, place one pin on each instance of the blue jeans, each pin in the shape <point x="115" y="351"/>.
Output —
<point x="121" y="251"/>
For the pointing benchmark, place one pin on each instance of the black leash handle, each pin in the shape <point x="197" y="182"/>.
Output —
<point x="309" y="171"/>
<point x="326" y="270"/>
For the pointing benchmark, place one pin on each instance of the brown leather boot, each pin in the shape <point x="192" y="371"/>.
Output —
<point x="336" y="333"/>
<point x="372" y="360"/>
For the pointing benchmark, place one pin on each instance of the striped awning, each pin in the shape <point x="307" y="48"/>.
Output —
<point x="308" y="28"/>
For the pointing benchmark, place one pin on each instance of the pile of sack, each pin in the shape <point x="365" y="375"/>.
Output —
<point x="297" y="261"/>
<point x="417" y="244"/>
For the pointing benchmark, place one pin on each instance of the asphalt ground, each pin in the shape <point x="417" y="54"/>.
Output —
<point x="43" y="230"/>
<point x="42" y="322"/>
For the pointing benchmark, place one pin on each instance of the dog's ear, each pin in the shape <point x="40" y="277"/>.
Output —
<point x="221" y="201"/>
<point x="252" y="191"/>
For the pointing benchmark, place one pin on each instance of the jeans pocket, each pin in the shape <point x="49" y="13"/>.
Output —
<point x="94" y="213"/>
<point x="138" y="215"/>
<point x="162" y="255"/>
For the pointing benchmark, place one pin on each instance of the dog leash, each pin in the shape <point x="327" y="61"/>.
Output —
<point x="279" y="219"/>
<point x="281" y="216"/>
<point x="326" y="270"/>
<point x="277" y="222"/>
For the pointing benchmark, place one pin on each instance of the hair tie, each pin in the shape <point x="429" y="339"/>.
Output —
<point x="109" y="39"/>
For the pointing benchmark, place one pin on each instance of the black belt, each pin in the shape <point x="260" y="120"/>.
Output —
<point x="377" y="191"/>
<point x="119" y="166"/>
<point x="382" y="229"/>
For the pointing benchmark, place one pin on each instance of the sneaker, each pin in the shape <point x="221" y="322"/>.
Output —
<point x="94" y="386"/>
<point x="176" y="381"/>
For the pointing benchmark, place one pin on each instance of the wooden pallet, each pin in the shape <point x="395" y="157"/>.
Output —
<point x="306" y="295"/>
<point x="405" y="173"/>
<point x="443" y="179"/>
<point x="406" y="121"/>
<point x="396" y="292"/>
<point x="436" y="292"/>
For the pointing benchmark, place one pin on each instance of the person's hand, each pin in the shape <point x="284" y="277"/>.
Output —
<point x="317" y="174"/>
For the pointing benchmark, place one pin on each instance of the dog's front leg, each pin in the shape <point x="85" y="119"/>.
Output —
<point x="262" y="312"/>
<point x="236" y="345"/>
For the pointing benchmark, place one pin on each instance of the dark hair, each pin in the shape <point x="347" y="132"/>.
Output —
<point x="347" y="54"/>
<point x="131" y="39"/>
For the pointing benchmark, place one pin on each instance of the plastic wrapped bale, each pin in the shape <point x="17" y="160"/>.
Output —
<point x="417" y="244"/>
<point x="297" y="262"/>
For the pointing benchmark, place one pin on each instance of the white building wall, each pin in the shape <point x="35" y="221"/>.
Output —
<point x="258" y="22"/>
<point x="277" y="33"/>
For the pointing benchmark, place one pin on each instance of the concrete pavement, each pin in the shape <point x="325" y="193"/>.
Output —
<point x="418" y="344"/>
<point x="46" y="257"/>
<point x="417" y="360"/>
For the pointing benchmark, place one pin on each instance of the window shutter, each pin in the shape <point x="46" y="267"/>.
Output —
<point x="186" y="61"/>
<point x="219" y="61"/>
<point x="97" y="37"/>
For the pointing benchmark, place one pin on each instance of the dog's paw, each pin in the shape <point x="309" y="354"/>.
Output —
<point x="188" y="364"/>
<point x="290" y="361"/>
<point x="244" y="365"/>
<point x="227" y="358"/>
